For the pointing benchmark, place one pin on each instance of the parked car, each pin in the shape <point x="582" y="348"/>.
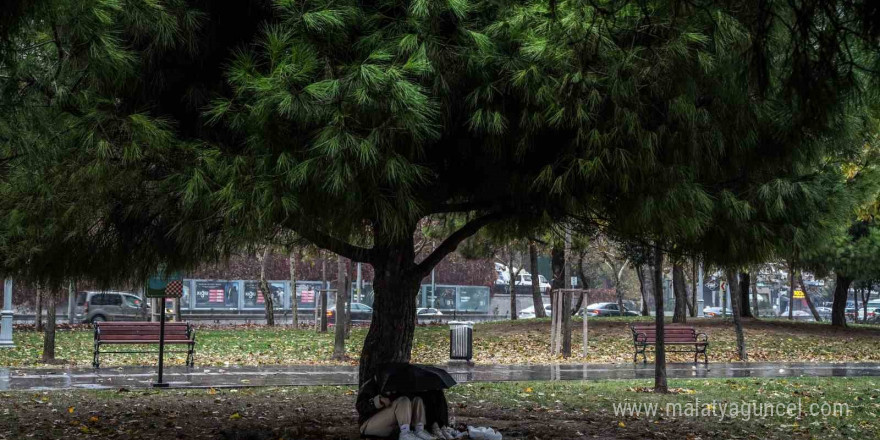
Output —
<point x="428" y="312"/>
<point x="715" y="312"/>
<point x="359" y="312"/>
<point x="109" y="306"/>
<point x="529" y="312"/>
<point x="608" y="309"/>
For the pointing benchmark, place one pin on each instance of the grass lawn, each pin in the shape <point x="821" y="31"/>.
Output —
<point x="533" y="410"/>
<point x="517" y="342"/>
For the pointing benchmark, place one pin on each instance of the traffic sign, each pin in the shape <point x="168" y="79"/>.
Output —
<point x="162" y="286"/>
<point x="798" y="294"/>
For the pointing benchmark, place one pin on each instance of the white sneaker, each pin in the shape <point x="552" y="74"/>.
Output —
<point x="424" y="435"/>
<point x="408" y="435"/>
<point x="450" y="433"/>
<point x="483" y="433"/>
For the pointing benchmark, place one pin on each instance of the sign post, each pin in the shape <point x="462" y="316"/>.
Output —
<point x="162" y="286"/>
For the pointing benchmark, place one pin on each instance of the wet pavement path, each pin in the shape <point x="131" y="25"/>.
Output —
<point x="238" y="377"/>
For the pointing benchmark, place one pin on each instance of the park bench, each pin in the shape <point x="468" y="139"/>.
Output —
<point x="143" y="333"/>
<point x="677" y="338"/>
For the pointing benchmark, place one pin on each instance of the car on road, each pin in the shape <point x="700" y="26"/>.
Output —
<point x="428" y="313"/>
<point x="109" y="306"/>
<point x="608" y="309"/>
<point x="529" y="312"/>
<point x="359" y="312"/>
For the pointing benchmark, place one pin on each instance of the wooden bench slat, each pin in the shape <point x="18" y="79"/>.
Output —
<point x="680" y="335"/>
<point x="143" y="338"/>
<point x="143" y="333"/>
<point x="147" y="341"/>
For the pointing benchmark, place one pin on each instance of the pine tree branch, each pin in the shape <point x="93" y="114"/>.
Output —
<point x="332" y="244"/>
<point x="451" y="243"/>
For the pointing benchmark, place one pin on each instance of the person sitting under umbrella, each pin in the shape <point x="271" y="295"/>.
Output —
<point x="394" y="400"/>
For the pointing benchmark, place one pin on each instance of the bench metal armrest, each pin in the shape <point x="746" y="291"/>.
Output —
<point x="191" y="330"/>
<point x="702" y="337"/>
<point x="640" y="337"/>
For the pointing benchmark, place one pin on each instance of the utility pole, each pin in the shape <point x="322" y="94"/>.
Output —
<point x="6" y="316"/>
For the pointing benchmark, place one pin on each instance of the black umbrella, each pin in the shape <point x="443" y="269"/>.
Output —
<point x="402" y="378"/>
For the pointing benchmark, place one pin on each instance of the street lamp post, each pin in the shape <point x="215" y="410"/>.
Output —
<point x="6" y="316"/>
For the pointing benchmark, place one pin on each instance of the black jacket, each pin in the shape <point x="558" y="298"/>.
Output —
<point x="365" y="404"/>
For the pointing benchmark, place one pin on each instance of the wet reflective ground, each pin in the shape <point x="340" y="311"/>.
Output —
<point x="237" y="377"/>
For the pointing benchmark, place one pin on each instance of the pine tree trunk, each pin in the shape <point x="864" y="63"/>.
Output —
<point x="693" y="302"/>
<point x="71" y="302"/>
<point x="585" y="285"/>
<point x="513" y="277"/>
<point x="49" y="337"/>
<point x="744" y="283"/>
<point x="38" y="313"/>
<point x="644" y="288"/>
<point x="348" y="300"/>
<point x="341" y="307"/>
<point x="660" y="384"/>
<point x="838" y="304"/>
<point x="736" y="306"/>
<point x="680" y="292"/>
<point x="268" y="300"/>
<point x="323" y="311"/>
<point x="757" y="312"/>
<point x="537" y="299"/>
<point x="791" y="291"/>
<point x="390" y="336"/>
<point x="618" y="292"/>
<point x="808" y="299"/>
<point x="566" y="324"/>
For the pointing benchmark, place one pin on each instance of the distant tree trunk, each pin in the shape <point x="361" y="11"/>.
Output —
<point x="838" y="304"/>
<point x="341" y="300"/>
<point x="49" y="337"/>
<point x="693" y="302"/>
<point x="585" y="285"/>
<point x="557" y="263"/>
<point x="644" y="287"/>
<point x="71" y="303"/>
<point x="660" y="385"/>
<point x="268" y="301"/>
<point x="736" y="305"/>
<point x="757" y="312"/>
<point x="807" y="297"/>
<point x="791" y="291"/>
<point x="856" y="305"/>
<point x="294" y="300"/>
<point x="38" y="313"/>
<point x="348" y="299"/>
<point x="680" y="292"/>
<point x="743" y="292"/>
<point x="537" y="300"/>
<point x="513" y="278"/>
<point x="866" y="296"/>
<point x="566" y="297"/>
<point x="324" y="294"/>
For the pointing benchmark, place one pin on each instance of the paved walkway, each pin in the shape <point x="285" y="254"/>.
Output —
<point x="238" y="377"/>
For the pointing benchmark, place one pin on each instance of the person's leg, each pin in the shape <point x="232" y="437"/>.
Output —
<point x="382" y="423"/>
<point x="418" y="413"/>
